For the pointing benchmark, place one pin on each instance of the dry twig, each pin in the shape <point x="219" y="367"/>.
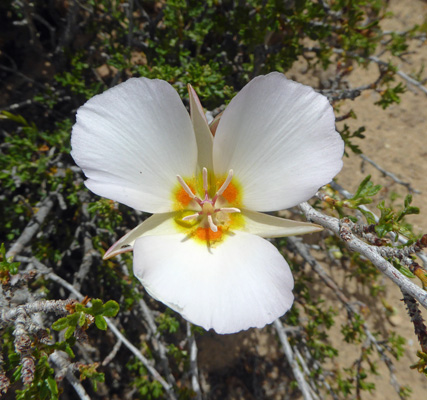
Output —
<point x="343" y="231"/>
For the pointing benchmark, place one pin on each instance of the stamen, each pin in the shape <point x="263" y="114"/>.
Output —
<point x="225" y="184"/>
<point x="205" y="179"/>
<point x="185" y="187"/>
<point x="213" y="227"/>
<point x="190" y="217"/>
<point x="229" y="210"/>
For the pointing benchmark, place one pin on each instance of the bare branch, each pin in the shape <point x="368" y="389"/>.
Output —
<point x="45" y="306"/>
<point x="140" y="357"/>
<point x="33" y="226"/>
<point x="402" y="74"/>
<point x="389" y="174"/>
<point x="417" y="320"/>
<point x="193" y="363"/>
<point x="61" y="361"/>
<point x="299" y="376"/>
<point x="343" y="231"/>
<point x="112" y="354"/>
<point x="157" y="343"/>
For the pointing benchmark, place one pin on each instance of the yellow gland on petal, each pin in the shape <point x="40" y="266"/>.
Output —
<point x="208" y="219"/>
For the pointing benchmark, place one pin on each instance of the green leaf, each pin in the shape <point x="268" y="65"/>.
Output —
<point x="82" y="318"/>
<point x="96" y="308"/>
<point x="111" y="308"/>
<point x="408" y="209"/>
<point x="66" y="346"/>
<point x="368" y="215"/>
<point x="405" y="271"/>
<point x="100" y="322"/>
<point x="53" y="387"/>
<point x="60" y="324"/>
<point x="364" y="194"/>
<point x="12" y="117"/>
<point x="69" y="332"/>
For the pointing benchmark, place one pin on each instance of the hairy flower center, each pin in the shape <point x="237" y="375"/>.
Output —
<point x="210" y="215"/>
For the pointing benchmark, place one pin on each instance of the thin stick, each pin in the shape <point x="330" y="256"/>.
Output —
<point x="193" y="363"/>
<point x="299" y="376"/>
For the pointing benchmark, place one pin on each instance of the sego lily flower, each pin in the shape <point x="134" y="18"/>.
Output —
<point x="202" y="253"/>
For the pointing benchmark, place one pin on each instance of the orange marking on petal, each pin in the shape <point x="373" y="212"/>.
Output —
<point x="206" y="234"/>
<point x="230" y="194"/>
<point x="182" y="197"/>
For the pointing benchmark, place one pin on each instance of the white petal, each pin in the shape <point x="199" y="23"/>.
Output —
<point x="243" y="282"/>
<point x="279" y="138"/>
<point x="157" y="224"/>
<point x="203" y="134"/>
<point x="270" y="227"/>
<point x="132" y="140"/>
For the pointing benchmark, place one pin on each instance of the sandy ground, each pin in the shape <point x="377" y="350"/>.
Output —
<point x="396" y="139"/>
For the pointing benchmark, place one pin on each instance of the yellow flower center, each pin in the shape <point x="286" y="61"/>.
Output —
<point x="208" y="218"/>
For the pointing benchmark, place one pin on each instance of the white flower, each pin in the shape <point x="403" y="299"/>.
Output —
<point x="202" y="251"/>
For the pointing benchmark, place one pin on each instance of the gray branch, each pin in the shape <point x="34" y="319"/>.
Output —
<point x="298" y="374"/>
<point x="60" y="360"/>
<point x="389" y="174"/>
<point x="193" y="363"/>
<point x="370" y="252"/>
<point x="33" y="226"/>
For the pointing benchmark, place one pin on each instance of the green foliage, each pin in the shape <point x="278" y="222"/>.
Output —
<point x="313" y="317"/>
<point x="421" y="364"/>
<point x="83" y="316"/>
<point x="391" y="95"/>
<point x="44" y="386"/>
<point x="167" y="323"/>
<point x="76" y="79"/>
<point x="179" y="355"/>
<point x="353" y="330"/>
<point x="347" y="136"/>
<point x="364" y="194"/>
<point x="390" y="220"/>
<point x="30" y="167"/>
<point x="148" y="390"/>
<point x="365" y="272"/>
<point x="7" y="266"/>
<point x="356" y="377"/>
<point x="206" y="79"/>
<point x="90" y="372"/>
<point x="397" y="44"/>
<point x="396" y="345"/>
<point x="107" y="212"/>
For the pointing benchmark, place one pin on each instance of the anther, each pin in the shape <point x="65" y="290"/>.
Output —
<point x="225" y="184"/>
<point x="185" y="187"/>
<point x="190" y="217"/>
<point x="228" y="210"/>
<point x="213" y="227"/>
